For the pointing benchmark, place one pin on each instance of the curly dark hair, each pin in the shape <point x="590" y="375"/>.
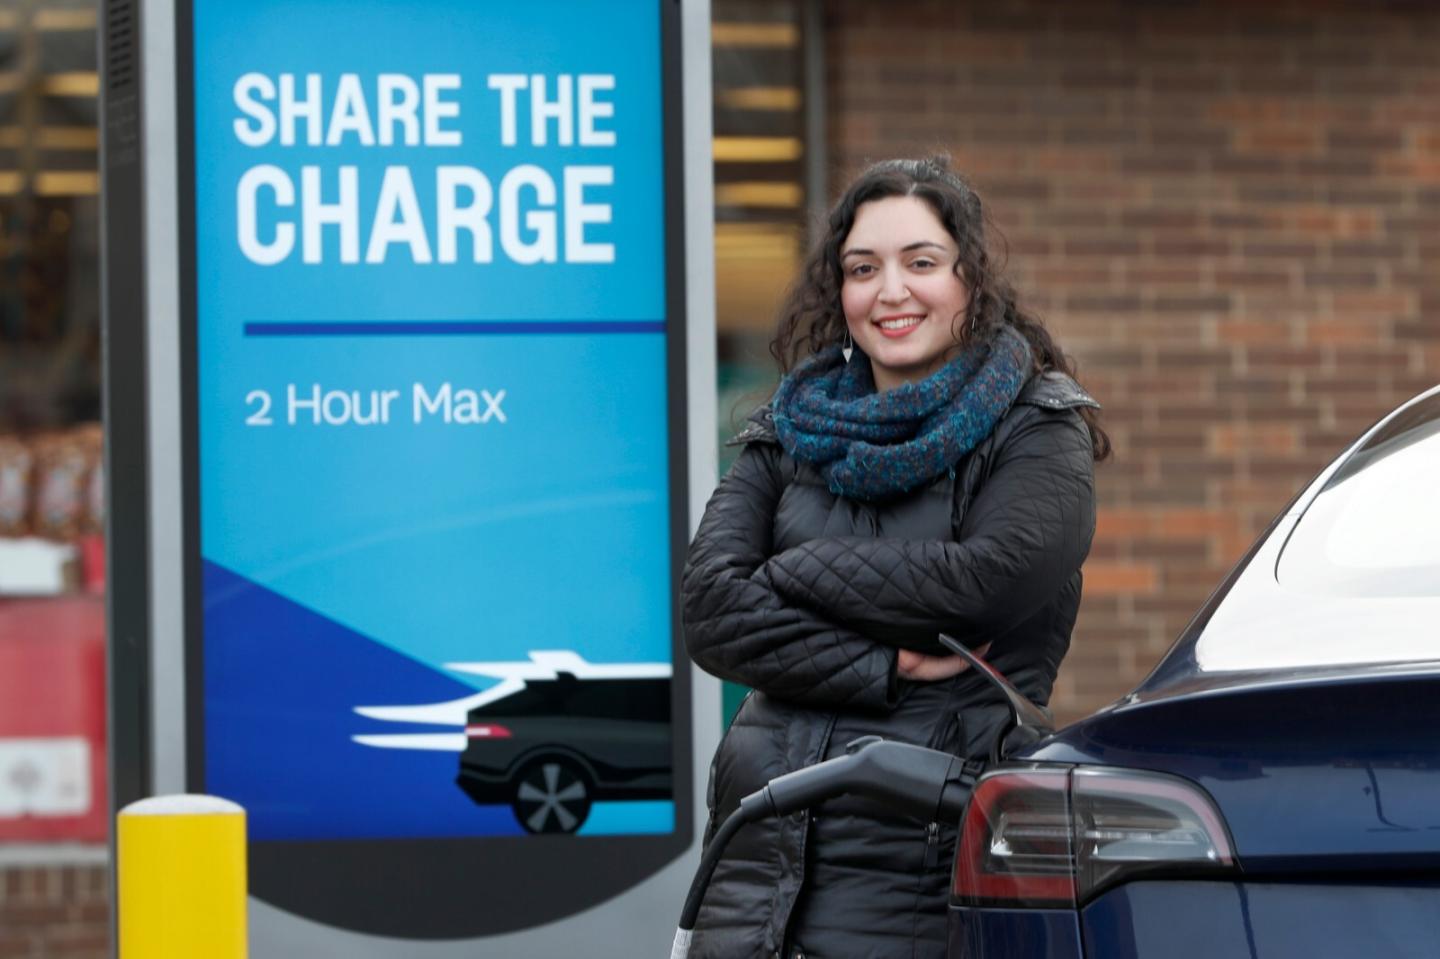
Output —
<point x="812" y="317"/>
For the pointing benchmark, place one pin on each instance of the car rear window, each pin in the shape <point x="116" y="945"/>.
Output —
<point x="1374" y="529"/>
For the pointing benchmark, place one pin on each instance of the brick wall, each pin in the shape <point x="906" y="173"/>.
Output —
<point x="54" y="912"/>
<point x="1229" y="214"/>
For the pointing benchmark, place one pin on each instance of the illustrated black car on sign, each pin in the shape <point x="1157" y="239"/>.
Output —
<point x="559" y="744"/>
<point x="550" y="736"/>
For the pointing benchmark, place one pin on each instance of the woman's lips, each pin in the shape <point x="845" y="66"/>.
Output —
<point x="894" y="327"/>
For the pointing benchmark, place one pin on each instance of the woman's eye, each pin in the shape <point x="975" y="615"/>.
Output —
<point x="922" y="263"/>
<point x="861" y="269"/>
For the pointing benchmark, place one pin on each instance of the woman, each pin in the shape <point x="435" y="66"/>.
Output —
<point x="926" y="466"/>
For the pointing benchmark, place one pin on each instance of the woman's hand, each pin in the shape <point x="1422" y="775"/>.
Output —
<point x="928" y="669"/>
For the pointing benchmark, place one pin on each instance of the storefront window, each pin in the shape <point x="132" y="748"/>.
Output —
<point x="760" y="197"/>
<point x="52" y="509"/>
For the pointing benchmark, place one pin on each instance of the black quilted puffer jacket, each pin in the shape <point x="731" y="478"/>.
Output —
<point x="805" y="597"/>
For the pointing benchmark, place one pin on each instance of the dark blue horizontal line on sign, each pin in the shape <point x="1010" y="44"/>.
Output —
<point x="451" y="328"/>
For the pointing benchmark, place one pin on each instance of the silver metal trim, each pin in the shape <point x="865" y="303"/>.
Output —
<point x="162" y="285"/>
<point x="52" y="854"/>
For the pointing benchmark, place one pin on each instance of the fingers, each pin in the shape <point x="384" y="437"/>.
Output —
<point x="923" y="668"/>
<point x="920" y="667"/>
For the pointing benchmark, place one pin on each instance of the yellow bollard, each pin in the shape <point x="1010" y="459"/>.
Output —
<point x="181" y="878"/>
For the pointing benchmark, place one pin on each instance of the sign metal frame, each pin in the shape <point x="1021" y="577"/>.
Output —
<point x="339" y="884"/>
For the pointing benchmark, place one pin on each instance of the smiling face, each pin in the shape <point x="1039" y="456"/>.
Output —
<point x="903" y="302"/>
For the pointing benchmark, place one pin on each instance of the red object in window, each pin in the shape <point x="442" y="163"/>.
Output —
<point x="52" y="720"/>
<point x="92" y="563"/>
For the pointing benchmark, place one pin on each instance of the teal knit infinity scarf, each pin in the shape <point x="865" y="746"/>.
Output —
<point x="873" y="446"/>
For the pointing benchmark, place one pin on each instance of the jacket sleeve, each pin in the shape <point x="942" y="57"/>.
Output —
<point x="739" y="628"/>
<point x="1023" y="537"/>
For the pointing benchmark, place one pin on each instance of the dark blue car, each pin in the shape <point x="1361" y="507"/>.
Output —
<point x="1273" y="788"/>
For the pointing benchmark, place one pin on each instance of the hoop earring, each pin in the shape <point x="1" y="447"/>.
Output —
<point x="849" y="346"/>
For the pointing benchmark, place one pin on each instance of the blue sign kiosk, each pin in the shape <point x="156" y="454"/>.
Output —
<point x="415" y="508"/>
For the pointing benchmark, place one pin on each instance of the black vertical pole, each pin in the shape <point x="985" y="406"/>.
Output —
<point x="126" y="434"/>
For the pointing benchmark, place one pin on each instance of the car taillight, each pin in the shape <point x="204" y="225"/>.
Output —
<point x="1015" y="843"/>
<point x="1058" y="837"/>
<point x="486" y="731"/>
<point x="1129" y="822"/>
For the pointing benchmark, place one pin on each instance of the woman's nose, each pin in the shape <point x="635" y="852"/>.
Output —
<point x="892" y="287"/>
